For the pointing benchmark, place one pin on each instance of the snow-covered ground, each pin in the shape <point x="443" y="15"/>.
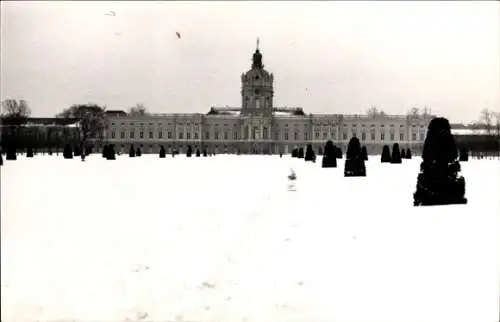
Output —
<point x="221" y="239"/>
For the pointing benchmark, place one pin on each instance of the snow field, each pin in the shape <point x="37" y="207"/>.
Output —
<point x="221" y="239"/>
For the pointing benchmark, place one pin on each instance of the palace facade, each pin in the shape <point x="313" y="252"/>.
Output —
<point x="259" y="127"/>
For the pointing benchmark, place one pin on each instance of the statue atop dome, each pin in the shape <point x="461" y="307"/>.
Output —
<point x="257" y="58"/>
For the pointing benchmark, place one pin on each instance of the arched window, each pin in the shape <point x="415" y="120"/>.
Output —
<point x="254" y="133"/>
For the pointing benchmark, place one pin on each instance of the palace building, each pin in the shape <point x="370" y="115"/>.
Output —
<point x="259" y="127"/>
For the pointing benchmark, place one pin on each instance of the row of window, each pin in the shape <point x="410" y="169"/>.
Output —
<point x="306" y="126"/>
<point x="255" y="135"/>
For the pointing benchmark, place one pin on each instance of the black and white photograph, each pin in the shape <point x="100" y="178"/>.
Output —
<point x="250" y="161"/>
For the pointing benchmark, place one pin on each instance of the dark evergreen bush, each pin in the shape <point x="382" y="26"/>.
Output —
<point x="354" y="163"/>
<point x="408" y="153"/>
<point x="67" y="152"/>
<point x="300" y="154"/>
<point x="162" y="152"/>
<point x="76" y="151"/>
<point x="131" y="152"/>
<point x="439" y="181"/>
<point x="197" y="152"/>
<point x="396" y="155"/>
<point x="295" y="153"/>
<point x="189" y="151"/>
<point x="281" y="155"/>
<point x="110" y="152"/>
<point x="29" y="152"/>
<point x="329" y="156"/>
<point x="403" y="153"/>
<point x="138" y="152"/>
<point x="364" y="153"/>
<point x="338" y="152"/>
<point x="1" y="159"/>
<point x="205" y="152"/>
<point x="309" y="155"/>
<point x="84" y="152"/>
<point x="11" y="153"/>
<point x="464" y="156"/>
<point x="386" y="154"/>
<point x="105" y="151"/>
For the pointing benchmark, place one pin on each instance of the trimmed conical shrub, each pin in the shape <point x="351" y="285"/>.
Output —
<point x="408" y="153"/>
<point x="300" y="154"/>
<point x="309" y="155"/>
<point x="11" y="153"/>
<point x="386" y="154"/>
<point x="131" y="152"/>
<point x="464" y="156"/>
<point x="205" y="152"/>
<point x="29" y="152"/>
<point x="76" y="151"/>
<point x="396" y="155"/>
<point x="439" y="181"/>
<point x="110" y="152"/>
<point x="338" y="152"/>
<point x="67" y="152"/>
<point x="364" y="153"/>
<point x="162" y="152"/>
<point x="138" y="152"/>
<point x="295" y="153"/>
<point x="403" y="153"/>
<point x="189" y="151"/>
<point x="198" y="152"/>
<point x="354" y="163"/>
<point x="329" y="158"/>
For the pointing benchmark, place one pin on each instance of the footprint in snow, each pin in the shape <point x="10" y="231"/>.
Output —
<point x="207" y="285"/>
<point x="140" y="268"/>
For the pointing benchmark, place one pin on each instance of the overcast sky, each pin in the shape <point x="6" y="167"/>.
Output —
<point x="327" y="57"/>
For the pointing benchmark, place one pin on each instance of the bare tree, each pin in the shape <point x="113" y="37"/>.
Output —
<point x="15" y="113"/>
<point x="80" y="110"/>
<point x="14" y="109"/>
<point x="138" y="109"/>
<point x="91" y="123"/>
<point x="92" y="126"/>
<point x="496" y="124"/>
<point x="486" y="119"/>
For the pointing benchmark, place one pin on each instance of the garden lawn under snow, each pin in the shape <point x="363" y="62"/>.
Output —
<point x="221" y="239"/>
